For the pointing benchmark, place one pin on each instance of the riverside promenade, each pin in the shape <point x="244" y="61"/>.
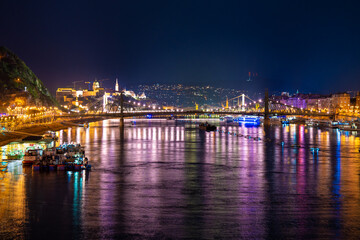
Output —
<point x="39" y="129"/>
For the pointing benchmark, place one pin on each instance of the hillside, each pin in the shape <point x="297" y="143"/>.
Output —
<point x="17" y="81"/>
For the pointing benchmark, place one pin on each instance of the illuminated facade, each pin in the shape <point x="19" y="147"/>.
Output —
<point x="64" y="93"/>
<point x="96" y="85"/>
<point x="340" y="101"/>
<point x="142" y="96"/>
<point x="69" y="94"/>
<point x="295" y="102"/>
<point x="316" y="102"/>
<point x="130" y="94"/>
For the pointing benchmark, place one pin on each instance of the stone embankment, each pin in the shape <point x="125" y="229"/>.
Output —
<point x="40" y="129"/>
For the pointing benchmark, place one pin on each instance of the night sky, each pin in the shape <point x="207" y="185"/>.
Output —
<point x="312" y="46"/>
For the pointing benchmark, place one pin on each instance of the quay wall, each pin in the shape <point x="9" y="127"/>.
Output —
<point x="40" y="129"/>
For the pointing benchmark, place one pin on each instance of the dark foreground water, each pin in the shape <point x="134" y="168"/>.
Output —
<point x="164" y="180"/>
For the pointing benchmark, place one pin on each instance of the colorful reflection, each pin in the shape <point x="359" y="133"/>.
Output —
<point x="167" y="179"/>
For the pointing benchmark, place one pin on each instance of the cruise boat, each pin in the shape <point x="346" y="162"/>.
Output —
<point x="255" y="120"/>
<point x="334" y="124"/>
<point x="312" y="123"/>
<point x="32" y="154"/>
<point x="349" y="127"/>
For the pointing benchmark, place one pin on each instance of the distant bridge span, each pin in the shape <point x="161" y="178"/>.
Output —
<point x="266" y="108"/>
<point x="195" y="112"/>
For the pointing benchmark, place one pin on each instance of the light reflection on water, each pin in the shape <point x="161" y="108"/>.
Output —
<point x="160" y="179"/>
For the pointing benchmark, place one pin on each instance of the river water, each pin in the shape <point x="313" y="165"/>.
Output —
<point x="160" y="179"/>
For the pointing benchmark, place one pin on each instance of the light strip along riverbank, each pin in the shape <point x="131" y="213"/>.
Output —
<point x="40" y="129"/>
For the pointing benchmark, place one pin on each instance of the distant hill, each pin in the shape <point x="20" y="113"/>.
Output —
<point x="17" y="81"/>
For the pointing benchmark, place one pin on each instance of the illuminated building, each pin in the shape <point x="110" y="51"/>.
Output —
<point x="96" y="85"/>
<point x="324" y="103"/>
<point x="130" y="94"/>
<point x="169" y="108"/>
<point x="306" y="101"/>
<point x="296" y="102"/>
<point x="142" y="96"/>
<point x="87" y="93"/>
<point x="340" y="101"/>
<point x="63" y="93"/>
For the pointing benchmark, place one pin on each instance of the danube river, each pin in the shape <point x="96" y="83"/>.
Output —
<point x="165" y="180"/>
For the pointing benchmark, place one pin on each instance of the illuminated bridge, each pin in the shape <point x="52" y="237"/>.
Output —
<point x="240" y="105"/>
<point x="127" y="114"/>
<point x="263" y="107"/>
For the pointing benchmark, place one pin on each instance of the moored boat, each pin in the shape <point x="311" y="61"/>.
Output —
<point x="334" y="124"/>
<point x="31" y="155"/>
<point x="66" y="157"/>
<point x="312" y="123"/>
<point x="285" y="121"/>
<point x="349" y="126"/>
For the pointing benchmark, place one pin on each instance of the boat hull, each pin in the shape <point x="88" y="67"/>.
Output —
<point x="27" y="162"/>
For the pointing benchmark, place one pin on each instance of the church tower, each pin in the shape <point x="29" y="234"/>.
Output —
<point x="96" y="85"/>
<point x="116" y="86"/>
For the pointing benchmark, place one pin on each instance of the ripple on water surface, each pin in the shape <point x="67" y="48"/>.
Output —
<point x="164" y="179"/>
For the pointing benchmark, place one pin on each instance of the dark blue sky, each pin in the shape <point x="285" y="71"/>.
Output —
<point x="313" y="46"/>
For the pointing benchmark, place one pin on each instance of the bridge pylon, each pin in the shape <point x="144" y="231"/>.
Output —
<point x="266" y="110"/>
<point x="121" y="109"/>
<point x="243" y="102"/>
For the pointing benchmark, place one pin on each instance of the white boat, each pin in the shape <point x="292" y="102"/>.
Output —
<point x="348" y="127"/>
<point x="31" y="155"/>
<point x="334" y="124"/>
<point x="312" y="123"/>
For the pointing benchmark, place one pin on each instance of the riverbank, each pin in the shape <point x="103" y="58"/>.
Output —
<point x="40" y="129"/>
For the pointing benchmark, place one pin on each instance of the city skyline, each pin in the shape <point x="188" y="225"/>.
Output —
<point x="179" y="119"/>
<point x="284" y="46"/>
